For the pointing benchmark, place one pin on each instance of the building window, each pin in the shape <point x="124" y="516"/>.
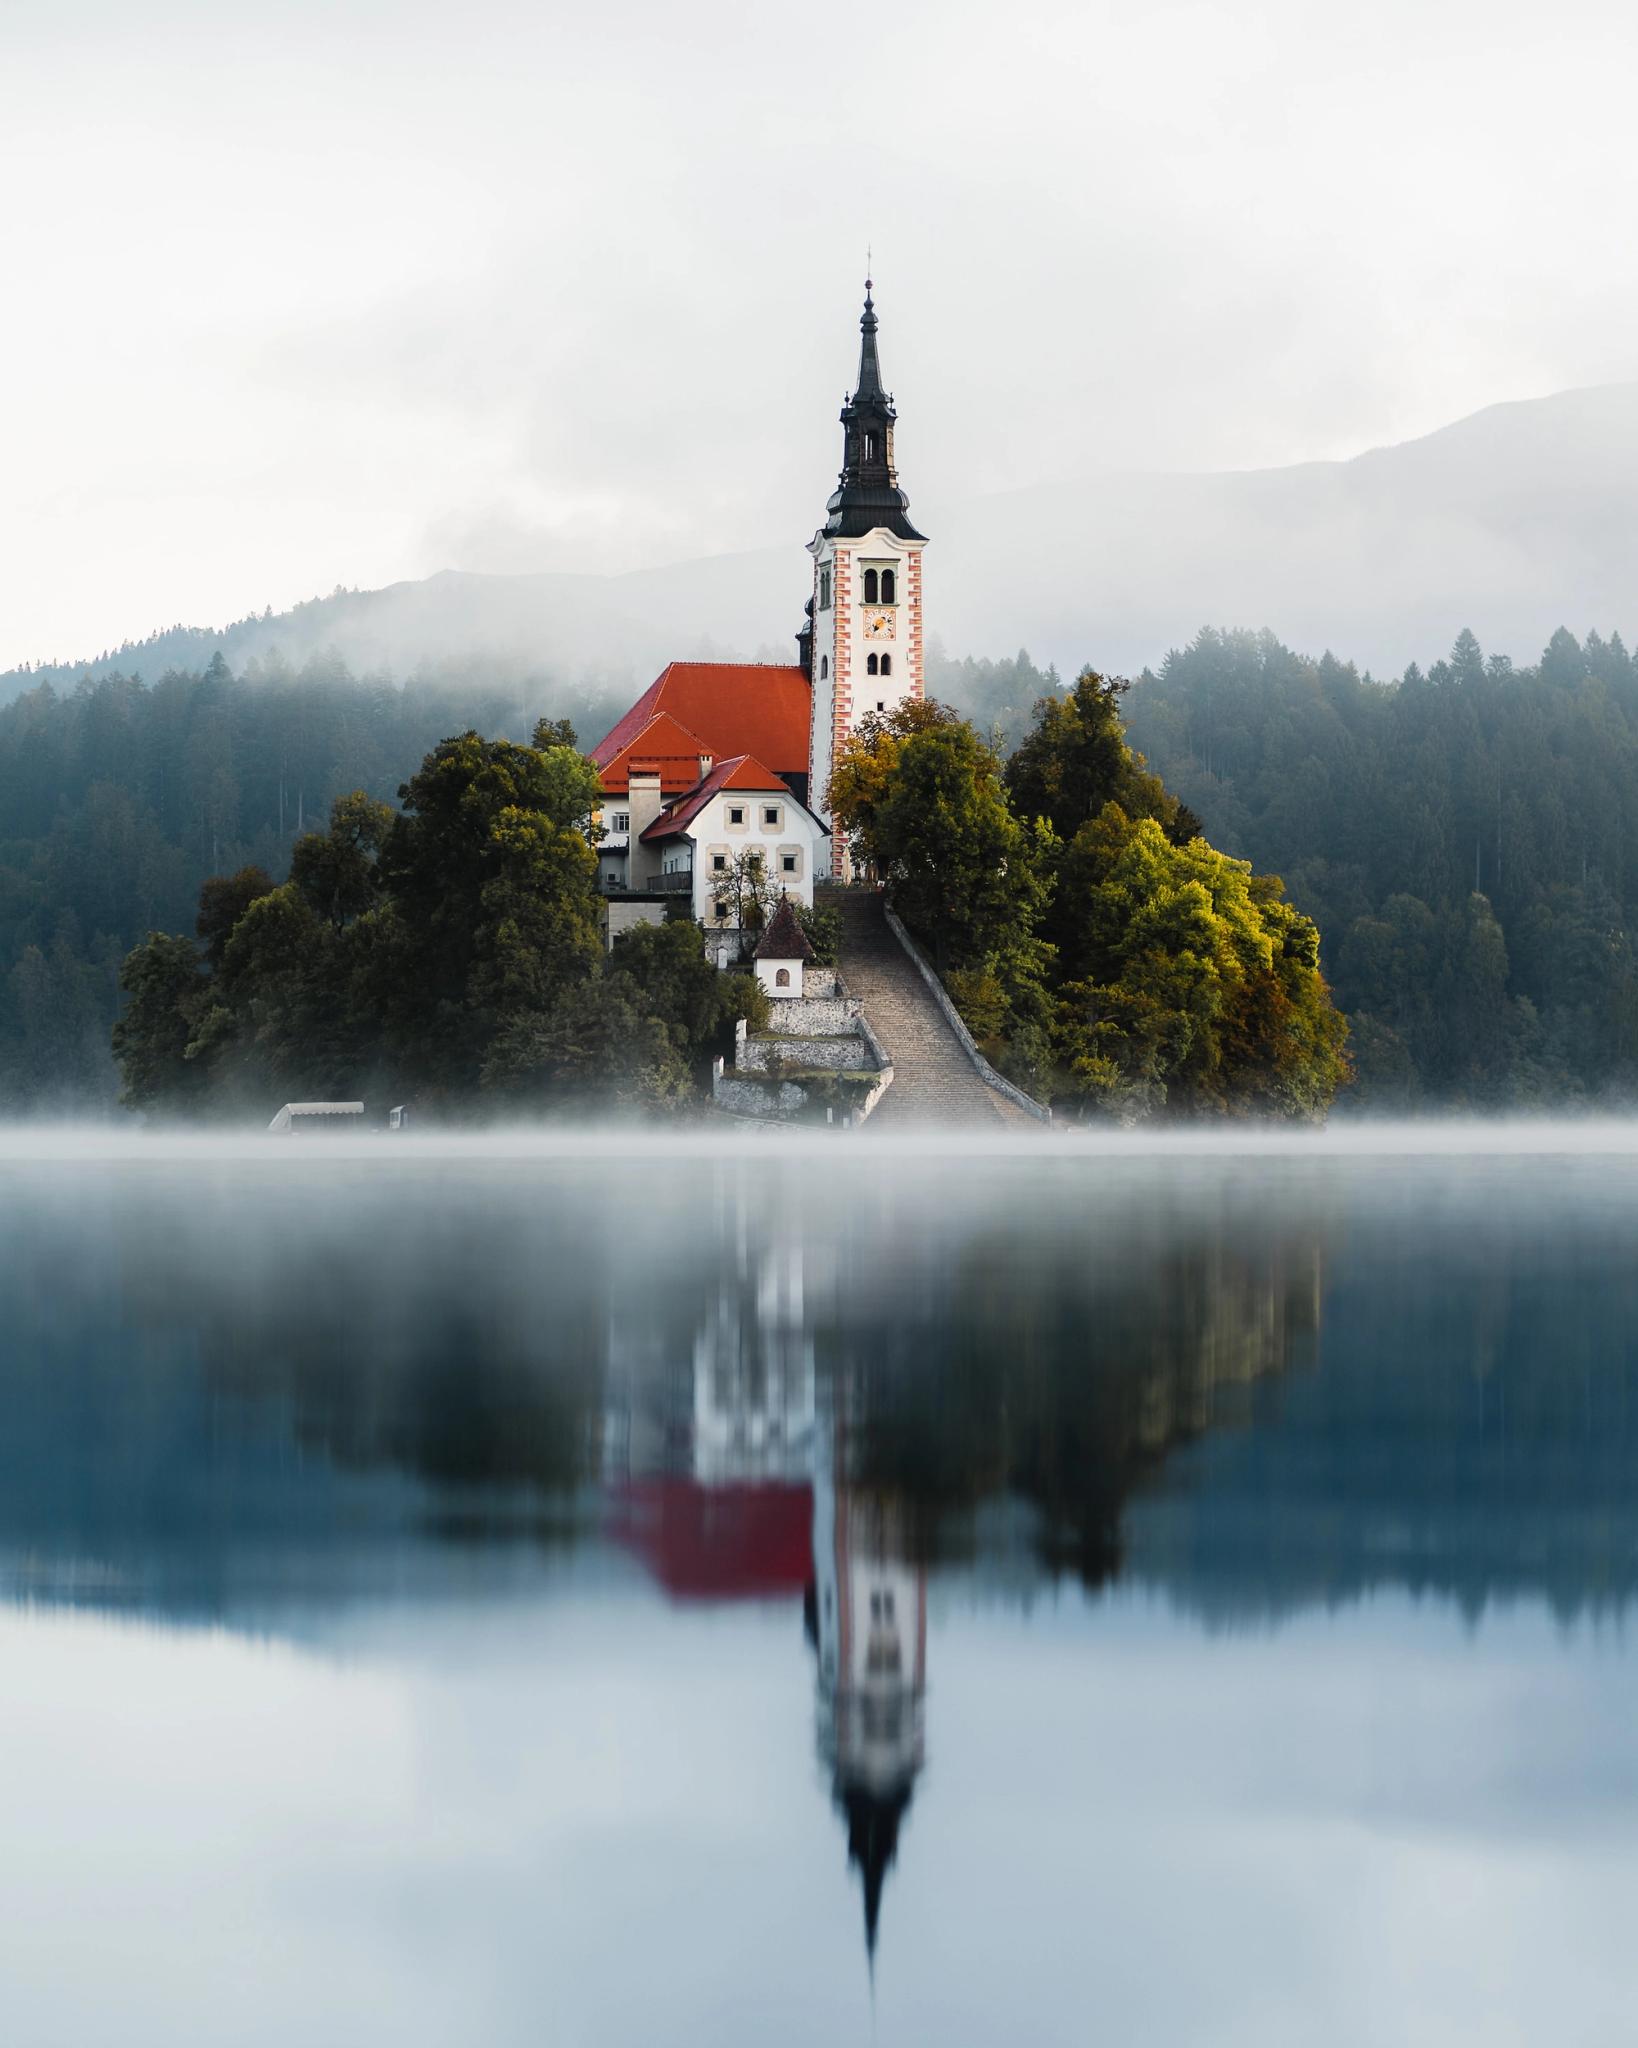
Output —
<point x="869" y="447"/>
<point x="824" y="589"/>
<point x="736" y="814"/>
<point x="622" y="821"/>
<point x="788" y="863"/>
<point x="719" y="863"/>
<point x="824" y="668"/>
<point x="873" y="666"/>
<point x="881" y="704"/>
<point x="721" y="912"/>
<point x="771" y="815"/>
<point x="871" y="580"/>
<point x="887" y="586"/>
<point x="887" y="664"/>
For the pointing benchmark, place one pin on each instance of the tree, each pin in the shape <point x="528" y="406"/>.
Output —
<point x="922" y="797"/>
<point x="1076" y="759"/>
<point x="335" y="871"/>
<point x="492" y="889"/>
<point x="1189" y="982"/>
<point x="223" y="900"/>
<point x="164" y="987"/>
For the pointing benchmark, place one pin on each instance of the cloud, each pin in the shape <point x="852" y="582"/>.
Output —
<point x="314" y="292"/>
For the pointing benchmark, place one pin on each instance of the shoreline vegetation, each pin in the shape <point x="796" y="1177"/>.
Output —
<point x="1380" y="803"/>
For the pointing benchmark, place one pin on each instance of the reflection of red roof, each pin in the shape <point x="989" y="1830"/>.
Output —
<point x="736" y="707"/>
<point x="721" y="1542"/>
<point x="741" y="773"/>
<point x="659" y="744"/>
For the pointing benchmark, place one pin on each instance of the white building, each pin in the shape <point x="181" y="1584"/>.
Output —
<point x="738" y="834"/>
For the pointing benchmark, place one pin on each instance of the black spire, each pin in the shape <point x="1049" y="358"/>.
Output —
<point x="870" y="370"/>
<point x="867" y="493"/>
<point x="872" y="1843"/>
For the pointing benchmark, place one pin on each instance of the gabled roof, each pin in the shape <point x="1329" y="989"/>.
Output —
<point x="784" y="939"/>
<point x="742" y="772"/>
<point x="736" y="707"/>
<point x="662" y="744"/>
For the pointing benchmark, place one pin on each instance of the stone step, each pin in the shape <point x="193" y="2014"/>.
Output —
<point x="934" y="1082"/>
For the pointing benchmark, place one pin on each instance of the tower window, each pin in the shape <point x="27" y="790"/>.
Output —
<point x="824" y="588"/>
<point x="887" y="664"/>
<point x="887" y="586"/>
<point x="871" y="592"/>
<point x="873" y="666"/>
<point x="824" y="668"/>
<point x="869" y="447"/>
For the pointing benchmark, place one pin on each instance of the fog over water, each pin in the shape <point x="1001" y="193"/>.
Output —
<point x="610" y="1587"/>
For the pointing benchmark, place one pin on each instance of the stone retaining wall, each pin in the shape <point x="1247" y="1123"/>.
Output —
<point x="827" y="1014"/>
<point x="843" y="1052"/>
<point x="769" y="1101"/>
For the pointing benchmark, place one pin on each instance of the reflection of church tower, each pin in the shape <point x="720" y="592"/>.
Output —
<point x="868" y="1620"/>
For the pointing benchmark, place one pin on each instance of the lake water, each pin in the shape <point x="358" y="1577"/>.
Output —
<point x="608" y="1592"/>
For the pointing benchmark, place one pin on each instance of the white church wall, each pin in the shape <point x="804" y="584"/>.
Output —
<point x="712" y="834"/>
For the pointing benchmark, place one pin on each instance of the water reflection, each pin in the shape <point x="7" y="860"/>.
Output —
<point x="261" y="1396"/>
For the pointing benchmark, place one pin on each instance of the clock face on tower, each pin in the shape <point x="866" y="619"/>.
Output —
<point x="878" y="625"/>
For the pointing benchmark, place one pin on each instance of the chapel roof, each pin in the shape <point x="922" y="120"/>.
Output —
<point x="742" y="771"/>
<point x="660" y="743"/>
<point x="736" y="707"/>
<point x="784" y="938"/>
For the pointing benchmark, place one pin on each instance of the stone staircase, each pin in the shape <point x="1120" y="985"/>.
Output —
<point x="934" y="1080"/>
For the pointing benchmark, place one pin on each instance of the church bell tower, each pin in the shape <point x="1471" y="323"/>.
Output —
<point x="866" y="647"/>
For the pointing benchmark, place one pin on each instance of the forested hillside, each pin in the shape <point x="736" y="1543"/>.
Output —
<point x="118" y="799"/>
<point x="1466" y="840"/>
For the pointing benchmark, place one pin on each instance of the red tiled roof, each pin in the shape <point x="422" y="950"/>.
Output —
<point x="740" y="773"/>
<point x="736" y="707"/>
<point x="741" y="1542"/>
<point x="784" y="939"/>
<point x="660" y="743"/>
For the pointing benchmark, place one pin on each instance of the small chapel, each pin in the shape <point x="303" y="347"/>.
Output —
<point x="716" y="782"/>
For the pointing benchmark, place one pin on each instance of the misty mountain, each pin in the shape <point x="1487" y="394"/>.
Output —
<point x="1513" y="521"/>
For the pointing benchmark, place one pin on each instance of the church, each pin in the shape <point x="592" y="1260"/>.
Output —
<point x="716" y="782"/>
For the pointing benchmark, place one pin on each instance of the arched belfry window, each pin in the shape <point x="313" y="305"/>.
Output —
<point x="887" y="586"/>
<point x="824" y="668"/>
<point x="887" y="664"/>
<point x="869" y="447"/>
<point x="871" y="593"/>
<point x="873" y="666"/>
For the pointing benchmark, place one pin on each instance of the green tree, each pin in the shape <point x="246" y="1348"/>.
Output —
<point x="164" y="989"/>
<point x="922" y="798"/>
<point x="1190" y="983"/>
<point x="1075" y="760"/>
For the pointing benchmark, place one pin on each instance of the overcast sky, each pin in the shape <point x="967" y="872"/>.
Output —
<point x="305" y="294"/>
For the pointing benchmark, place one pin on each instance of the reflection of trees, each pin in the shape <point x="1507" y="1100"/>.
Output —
<point x="1064" y="1380"/>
